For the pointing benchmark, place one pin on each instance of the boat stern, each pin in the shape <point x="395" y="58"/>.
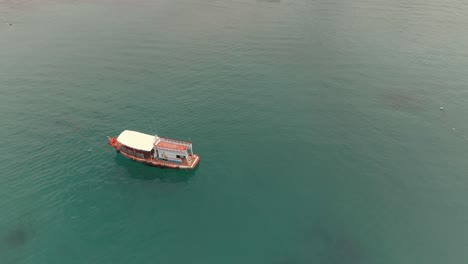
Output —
<point x="194" y="161"/>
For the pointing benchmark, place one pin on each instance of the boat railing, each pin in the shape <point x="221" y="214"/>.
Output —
<point x="185" y="143"/>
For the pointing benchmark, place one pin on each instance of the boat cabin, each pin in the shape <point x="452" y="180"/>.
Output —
<point x="148" y="147"/>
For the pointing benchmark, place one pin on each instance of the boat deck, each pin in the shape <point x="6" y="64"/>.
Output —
<point x="169" y="145"/>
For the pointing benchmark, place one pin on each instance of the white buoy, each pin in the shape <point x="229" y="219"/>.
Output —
<point x="441" y="108"/>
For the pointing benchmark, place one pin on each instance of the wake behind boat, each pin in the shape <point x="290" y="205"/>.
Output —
<point x="155" y="150"/>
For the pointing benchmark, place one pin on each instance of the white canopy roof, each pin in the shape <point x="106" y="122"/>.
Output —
<point x="136" y="140"/>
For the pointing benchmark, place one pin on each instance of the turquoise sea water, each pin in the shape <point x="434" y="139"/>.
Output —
<point x="317" y="123"/>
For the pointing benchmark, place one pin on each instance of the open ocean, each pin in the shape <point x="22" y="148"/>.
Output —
<point x="318" y="124"/>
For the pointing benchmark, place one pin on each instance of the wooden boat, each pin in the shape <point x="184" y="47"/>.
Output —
<point x="155" y="150"/>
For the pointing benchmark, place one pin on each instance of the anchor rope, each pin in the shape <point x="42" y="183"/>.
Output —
<point x="78" y="131"/>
